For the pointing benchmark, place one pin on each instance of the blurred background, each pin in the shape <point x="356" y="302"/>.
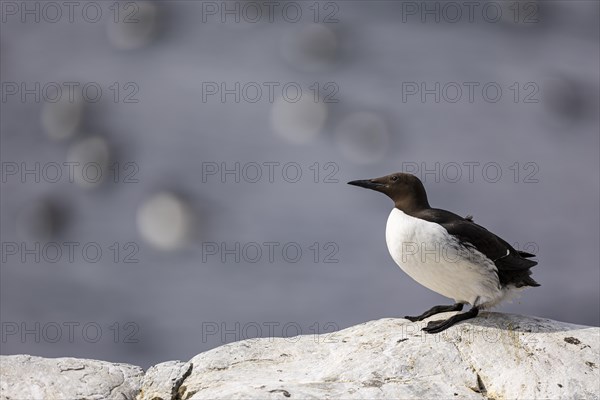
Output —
<point x="174" y="173"/>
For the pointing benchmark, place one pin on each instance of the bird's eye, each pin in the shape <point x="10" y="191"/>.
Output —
<point x="394" y="178"/>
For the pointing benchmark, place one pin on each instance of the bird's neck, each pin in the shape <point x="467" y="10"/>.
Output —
<point x="417" y="201"/>
<point x="411" y="208"/>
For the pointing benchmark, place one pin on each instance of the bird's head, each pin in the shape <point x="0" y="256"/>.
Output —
<point x="406" y="190"/>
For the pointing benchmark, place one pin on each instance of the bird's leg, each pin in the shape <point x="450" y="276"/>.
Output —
<point x="436" y="310"/>
<point x="438" y="326"/>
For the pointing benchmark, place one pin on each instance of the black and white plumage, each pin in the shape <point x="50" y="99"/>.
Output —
<point x="447" y="253"/>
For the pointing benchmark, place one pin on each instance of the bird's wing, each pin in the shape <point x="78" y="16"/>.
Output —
<point x="511" y="264"/>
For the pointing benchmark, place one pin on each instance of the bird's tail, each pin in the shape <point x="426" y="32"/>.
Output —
<point x="529" y="281"/>
<point x="524" y="254"/>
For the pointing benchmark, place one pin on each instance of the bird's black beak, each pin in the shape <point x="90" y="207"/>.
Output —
<point x="367" y="183"/>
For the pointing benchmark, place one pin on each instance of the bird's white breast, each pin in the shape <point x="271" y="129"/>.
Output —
<point x="435" y="259"/>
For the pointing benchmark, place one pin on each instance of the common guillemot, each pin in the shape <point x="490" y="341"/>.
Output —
<point x="447" y="253"/>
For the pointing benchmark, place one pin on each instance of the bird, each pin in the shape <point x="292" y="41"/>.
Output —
<point x="447" y="253"/>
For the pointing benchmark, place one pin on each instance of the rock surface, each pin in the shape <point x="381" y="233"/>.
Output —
<point x="162" y="381"/>
<point x="495" y="356"/>
<point x="25" y="377"/>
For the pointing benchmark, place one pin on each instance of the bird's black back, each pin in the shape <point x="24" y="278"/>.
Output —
<point x="513" y="266"/>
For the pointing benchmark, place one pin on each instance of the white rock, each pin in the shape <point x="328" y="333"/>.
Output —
<point x="162" y="381"/>
<point x="165" y="221"/>
<point x="28" y="377"/>
<point x="494" y="356"/>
